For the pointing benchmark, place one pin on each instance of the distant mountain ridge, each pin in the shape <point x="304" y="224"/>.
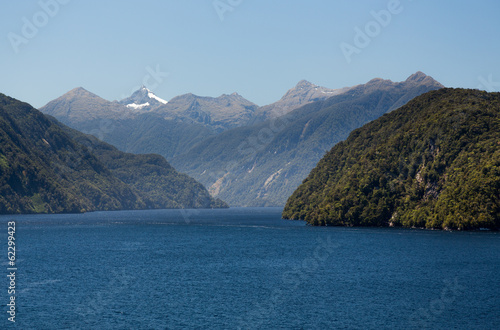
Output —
<point x="130" y="130"/>
<point x="303" y="93"/>
<point x="142" y="124"/>
<point x="216" y="113"/>
<point x="261" y="165"/>
<point x="79" y="105"/>
<point x="416" y="84"/>
<point x="220" y="113"/>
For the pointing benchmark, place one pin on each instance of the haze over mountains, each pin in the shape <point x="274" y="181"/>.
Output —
<point x="261" y="165"/>
<point x="217" y="113"/>
<point x="141" y="123"/>
<point x="245" y="154"/>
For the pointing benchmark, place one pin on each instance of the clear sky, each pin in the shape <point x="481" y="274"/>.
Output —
<point x="258" y="48"/>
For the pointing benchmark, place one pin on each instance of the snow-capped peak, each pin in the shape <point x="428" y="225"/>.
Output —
<point x="143" y="99"/>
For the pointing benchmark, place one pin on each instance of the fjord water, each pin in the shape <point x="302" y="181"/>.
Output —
<point x="245" y="268"/>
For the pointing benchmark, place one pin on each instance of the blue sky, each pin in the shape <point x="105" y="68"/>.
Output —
<point x="260" y="48"/>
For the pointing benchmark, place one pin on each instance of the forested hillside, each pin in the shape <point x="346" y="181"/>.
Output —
<point x="433" y="163"/>
<point x="44" y="170"/>
<point x="150" y="175"/>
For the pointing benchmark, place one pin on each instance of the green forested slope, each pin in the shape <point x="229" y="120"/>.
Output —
<point x="433" y="163"/>
<point x="150" y="175"/>
<point x="43" y="170"/>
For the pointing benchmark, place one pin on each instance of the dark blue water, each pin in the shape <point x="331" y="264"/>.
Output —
<point x="245" y="268"/>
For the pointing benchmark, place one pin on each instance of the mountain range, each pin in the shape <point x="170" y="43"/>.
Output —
<point x="433" y="163"/>
<point x="145" y="123"/>
<point x="219" y="113"/>
<point x="262" y="164"/>
<point x="303" y="93"/>
<point x="130" y="130"/>
<point x="245" y="154"/>
<point x="46" y="167"/>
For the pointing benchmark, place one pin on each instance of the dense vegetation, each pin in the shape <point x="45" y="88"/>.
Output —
<point x="151" y="175"/>
<point x="43" y="170"/>
<point x="262" y="164"/>
<point x="433" y="163"/>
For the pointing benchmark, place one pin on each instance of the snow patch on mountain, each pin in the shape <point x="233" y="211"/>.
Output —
<point x="143" y="99"/>
<point x="137" y="106"/>
<point x="153" y="96"/>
